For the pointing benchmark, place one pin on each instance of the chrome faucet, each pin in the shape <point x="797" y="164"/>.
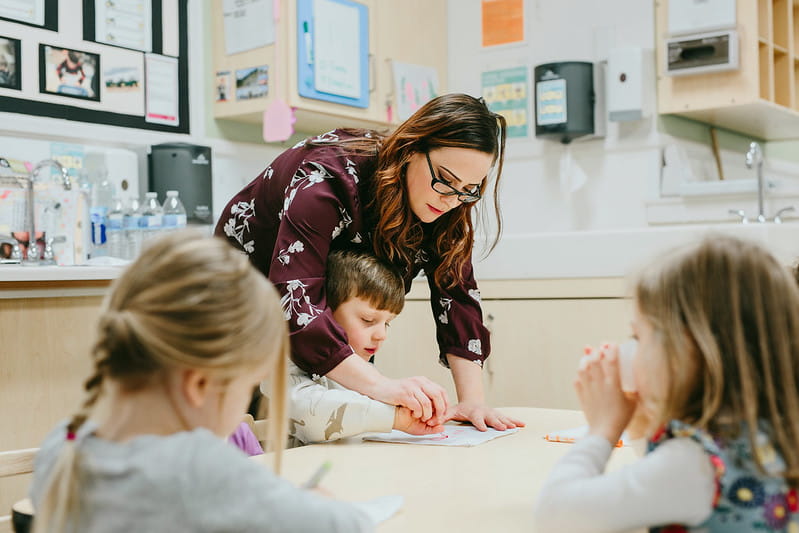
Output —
<point x="754" y="158"/>
<point x="32" y="257"/>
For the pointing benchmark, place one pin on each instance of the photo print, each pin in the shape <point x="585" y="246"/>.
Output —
<point x="68" y="72"/>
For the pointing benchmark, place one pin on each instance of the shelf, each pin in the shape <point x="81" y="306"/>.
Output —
<point x="764" y="19"/>
<point x="762" y="119"/>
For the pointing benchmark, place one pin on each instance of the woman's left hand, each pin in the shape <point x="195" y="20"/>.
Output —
<point x="482" y="416"/>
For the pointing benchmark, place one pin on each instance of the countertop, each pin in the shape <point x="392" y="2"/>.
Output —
<point x="58" y="273"/>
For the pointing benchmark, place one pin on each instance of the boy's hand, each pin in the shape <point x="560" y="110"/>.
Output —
<point x="405" y="421"/>
<point x="598" y="386"/>
<point x="426" y="400"/>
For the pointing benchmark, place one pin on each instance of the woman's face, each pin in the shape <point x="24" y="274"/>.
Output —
<point x="462" y="168"/>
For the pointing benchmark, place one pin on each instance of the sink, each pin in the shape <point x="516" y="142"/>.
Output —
<point x="615" y="253"/>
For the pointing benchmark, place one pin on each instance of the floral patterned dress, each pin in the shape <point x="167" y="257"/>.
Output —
<point x="746" y="500"/>
<point x="309" y="200"/>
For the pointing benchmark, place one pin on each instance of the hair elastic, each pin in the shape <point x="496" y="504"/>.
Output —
<point x="70" y="435"/>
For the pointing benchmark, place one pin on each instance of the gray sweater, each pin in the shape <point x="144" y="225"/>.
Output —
<point x="189" y="481"/>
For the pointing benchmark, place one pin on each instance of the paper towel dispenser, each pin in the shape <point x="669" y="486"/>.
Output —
<point x="566" y="100"/>
<point x="703" y="53"/>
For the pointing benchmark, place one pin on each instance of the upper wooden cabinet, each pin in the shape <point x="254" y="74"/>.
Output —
<point x="409" y="31"/>
<point x="761" y="98"/>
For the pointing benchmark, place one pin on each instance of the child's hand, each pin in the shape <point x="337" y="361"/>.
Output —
<point x="405" y="421"/>
<point x="598" y="386"/>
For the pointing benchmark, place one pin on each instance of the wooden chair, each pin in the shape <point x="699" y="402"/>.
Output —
<point x="15" y="463"/>
<point x="258" y="427"/>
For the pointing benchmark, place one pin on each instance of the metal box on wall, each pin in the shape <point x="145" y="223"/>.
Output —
<point x="185" y="168"/>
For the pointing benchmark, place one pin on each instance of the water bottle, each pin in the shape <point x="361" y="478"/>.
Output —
<point x="115" y="231"/>
<point x="174" y="212"/>
<point x="133" y="232"/>
<point x="152" y="217"/>
<point x="101" y="199"/>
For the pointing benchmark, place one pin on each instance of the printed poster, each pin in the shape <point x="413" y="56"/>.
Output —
<point x="414" y="86"/>
<point x="507" y="92"/>
<point x="503" y="22"/>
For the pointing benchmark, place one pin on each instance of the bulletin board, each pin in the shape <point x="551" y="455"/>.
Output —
<point x="120" y="62"/>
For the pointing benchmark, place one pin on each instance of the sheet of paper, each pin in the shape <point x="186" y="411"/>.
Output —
<point x="414" y="86"/>
<point x="126" y="23"/>
<point x="451" y="436"/>
<point x="30" y="11"/>
<point x="337" y="49"/>
<point x="162" y="89"/>
<point x="381" y="509"/>
<point x="249" y="24"/>
<point x="170" y="36"/>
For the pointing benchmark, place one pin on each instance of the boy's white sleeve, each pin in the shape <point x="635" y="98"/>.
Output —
<point x="324" y="410"/>
<point x="675" y="484"/>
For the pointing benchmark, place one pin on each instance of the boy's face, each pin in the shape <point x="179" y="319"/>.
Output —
<point x="365" y="325"/>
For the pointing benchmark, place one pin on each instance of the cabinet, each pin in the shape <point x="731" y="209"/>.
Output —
<point x="410" y="31"/>
<point x="539" y="328"/>
<point x="761" y="98"/>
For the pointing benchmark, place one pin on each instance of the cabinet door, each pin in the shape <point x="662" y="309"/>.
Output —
<point x="410" y="31"/>
<point x="536" y="346"/>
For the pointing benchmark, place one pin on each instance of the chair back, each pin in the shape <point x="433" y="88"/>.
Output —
<point x="15" y="463"/>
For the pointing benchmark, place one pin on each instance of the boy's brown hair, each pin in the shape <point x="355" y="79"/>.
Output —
<point x="353" y="274"/>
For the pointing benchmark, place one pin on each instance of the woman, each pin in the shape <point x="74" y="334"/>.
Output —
<point x="407" y="197"/>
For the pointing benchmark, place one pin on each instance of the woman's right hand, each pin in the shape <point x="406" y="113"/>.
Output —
<point x="425" y="399"/>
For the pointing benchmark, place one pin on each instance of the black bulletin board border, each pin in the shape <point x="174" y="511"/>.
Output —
<point x="81" y="114"/>
<point x="50" y="17"/>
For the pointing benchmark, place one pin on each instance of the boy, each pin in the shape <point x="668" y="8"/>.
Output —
<point x="365" y="295"/>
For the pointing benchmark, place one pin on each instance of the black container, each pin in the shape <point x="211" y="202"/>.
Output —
<point x="564" y="100"/>
<point x="185" y="168"/>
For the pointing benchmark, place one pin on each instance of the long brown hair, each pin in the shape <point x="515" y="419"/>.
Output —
<point x="450" y="120"/>
<point x="726" y="313"/>
<point x="187" y="302"/>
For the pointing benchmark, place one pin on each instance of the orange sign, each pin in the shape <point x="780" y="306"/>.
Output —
<point x="503" y="22"/>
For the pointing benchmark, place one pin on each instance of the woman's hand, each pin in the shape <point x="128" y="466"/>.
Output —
<point x="405" y="421"/>
<point x="482" y="416"/>
<point x="598" y="386"/>
<point x="425" y="399"/>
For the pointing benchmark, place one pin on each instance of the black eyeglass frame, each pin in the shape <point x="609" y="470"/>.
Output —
<point x="464" y="197"/>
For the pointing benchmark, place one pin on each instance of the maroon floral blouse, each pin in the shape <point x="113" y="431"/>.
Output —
<point x="308" y="201"/>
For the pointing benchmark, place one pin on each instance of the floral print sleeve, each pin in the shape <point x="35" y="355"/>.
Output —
<point x="459" y="319"/>
<point x="286" y="221"/>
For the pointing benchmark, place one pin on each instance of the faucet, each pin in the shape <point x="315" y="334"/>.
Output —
<point x="754" y="158"/>
<point x="32" y="257"/>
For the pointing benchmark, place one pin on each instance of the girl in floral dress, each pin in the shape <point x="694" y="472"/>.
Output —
<point x="407" y="198"/>
<point x="716" y="373"/>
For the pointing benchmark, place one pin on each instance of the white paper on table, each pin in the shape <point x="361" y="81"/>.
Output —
<point x="381" y="509"/>
<point x="451" y="436"/>
<point x="249" y="24"/>
<point x="337" y="49"/>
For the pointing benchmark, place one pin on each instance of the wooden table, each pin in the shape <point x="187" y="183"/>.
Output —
<point x="490" y="487"/>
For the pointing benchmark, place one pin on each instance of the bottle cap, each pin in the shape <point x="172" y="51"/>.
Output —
<point x="171" y="193"/>
<point x="151" y="195"/>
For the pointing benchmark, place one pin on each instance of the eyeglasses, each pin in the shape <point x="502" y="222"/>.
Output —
<point x="445" y="189"/>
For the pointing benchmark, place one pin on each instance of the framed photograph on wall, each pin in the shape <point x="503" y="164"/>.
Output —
<point x="10" y="63"/>
<point x="68" y="72"/>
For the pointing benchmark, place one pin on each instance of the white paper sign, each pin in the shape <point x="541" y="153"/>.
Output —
<point x="414" y="86"/>
<point x="451" y="436"/>
<point x="249" y="24"/>
<point x="126" y="23"/>
<point x="30" y="11"/>
<point x="337" y="49"/>
<point x="161" y="75"/>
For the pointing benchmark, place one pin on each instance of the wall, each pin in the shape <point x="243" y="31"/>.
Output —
<point x="614" y="183"/>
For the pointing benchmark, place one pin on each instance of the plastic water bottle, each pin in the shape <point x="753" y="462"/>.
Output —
<point x="101" y="199"/>
<point x="152" y="217"/>
<point x="174" y="212"/>
<point x="115" y="231"/>
<point x="133" y="232"/>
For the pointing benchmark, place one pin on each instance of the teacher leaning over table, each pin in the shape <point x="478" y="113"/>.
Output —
<point x="408" y="198"/>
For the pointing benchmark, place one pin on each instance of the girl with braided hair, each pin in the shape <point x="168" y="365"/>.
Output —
<point x="185" y="334"/>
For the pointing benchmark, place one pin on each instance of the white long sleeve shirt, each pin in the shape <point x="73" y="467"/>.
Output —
<point x="322" y="410"/>
<point x="674" y="484"/>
